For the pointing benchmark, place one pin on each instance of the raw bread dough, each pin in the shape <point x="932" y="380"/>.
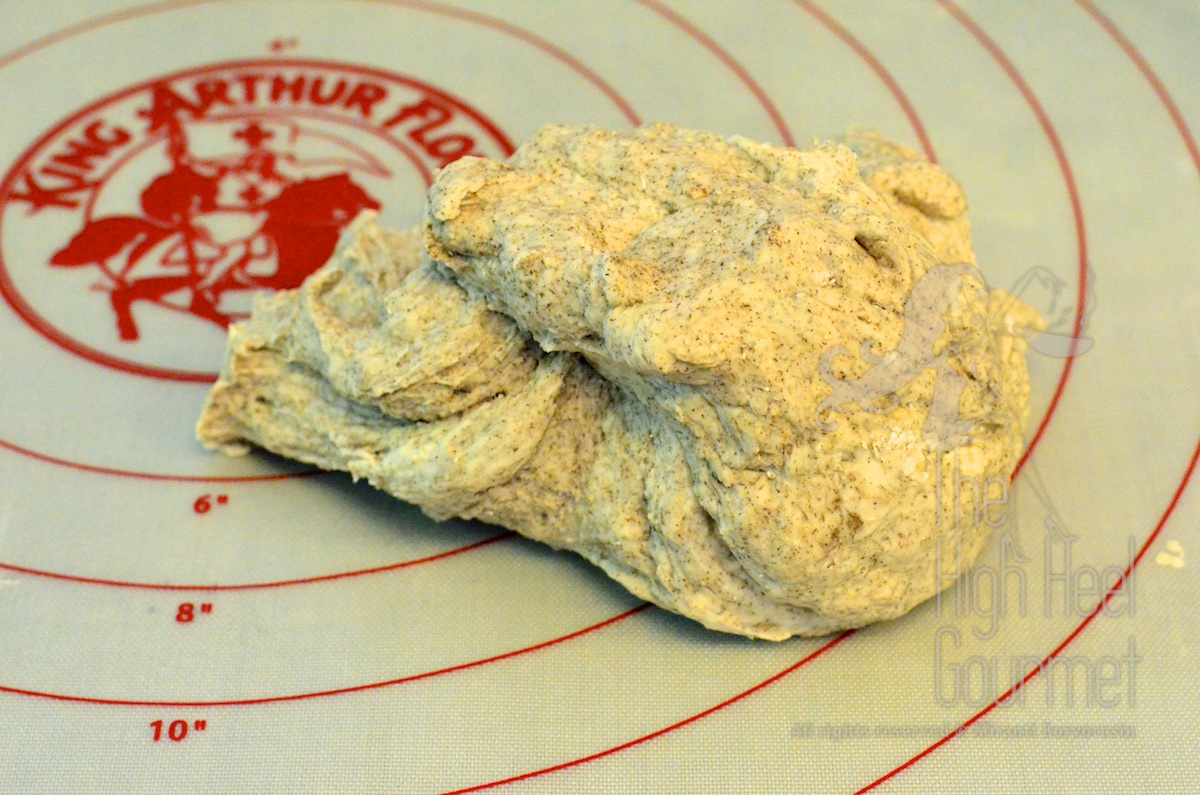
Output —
<point x="648" y="347"/>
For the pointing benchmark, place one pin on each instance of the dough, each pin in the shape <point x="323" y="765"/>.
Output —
<point x="729" y="374"/>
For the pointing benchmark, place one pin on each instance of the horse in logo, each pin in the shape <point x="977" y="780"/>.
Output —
<point x="191" y="245"/>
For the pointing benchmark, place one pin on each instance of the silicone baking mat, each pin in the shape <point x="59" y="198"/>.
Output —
<point x="176" y="621"/>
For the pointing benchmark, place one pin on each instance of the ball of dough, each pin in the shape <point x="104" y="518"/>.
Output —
<point x="730" y="374"/>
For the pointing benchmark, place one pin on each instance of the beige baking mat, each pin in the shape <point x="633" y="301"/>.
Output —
<point x="172" y="620"/>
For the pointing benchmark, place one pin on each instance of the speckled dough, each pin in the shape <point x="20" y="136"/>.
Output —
<point x="618" y="343"/>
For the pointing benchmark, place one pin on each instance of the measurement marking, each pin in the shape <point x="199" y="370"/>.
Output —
<point x="176" y="730"/>
<point x="186" y="613"/>
<point x="204" y="503"/>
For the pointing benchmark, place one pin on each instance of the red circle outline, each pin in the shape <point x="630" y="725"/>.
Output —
<point x="758" y="92"/>
<point x="473" y="17"/>
<point x="881" y="71"/>
<point x="660" y="732"/>
<point x="469" y="16"/>
<point x="259" y="586"/>
<point x="420" y="5"/>
<point x="1043" y="119"/>
<point x="155" y="476"/>
<point x="171" y="5"/>
<point x="837" y="640"/>
<point x="114" y="702"/>
<point x="1164" y="97"/>
<point x="731" y="63"/>
<point x="856" y="46"/>
<point x="529" y="38"/>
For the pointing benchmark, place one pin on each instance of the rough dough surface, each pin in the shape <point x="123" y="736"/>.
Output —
<point x="684" y="357"/>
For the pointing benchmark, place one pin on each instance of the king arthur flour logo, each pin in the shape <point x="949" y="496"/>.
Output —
<point x="136" y="230"/>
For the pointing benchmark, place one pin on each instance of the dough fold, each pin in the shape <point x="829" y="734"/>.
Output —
<point x="729" y="374"/>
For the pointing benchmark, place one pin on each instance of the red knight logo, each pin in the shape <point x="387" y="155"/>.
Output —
<point x="209" y="227"/>
<point x="177" y="199"/>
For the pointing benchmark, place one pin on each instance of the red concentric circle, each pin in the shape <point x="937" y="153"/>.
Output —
<point x="709" y="43"/>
